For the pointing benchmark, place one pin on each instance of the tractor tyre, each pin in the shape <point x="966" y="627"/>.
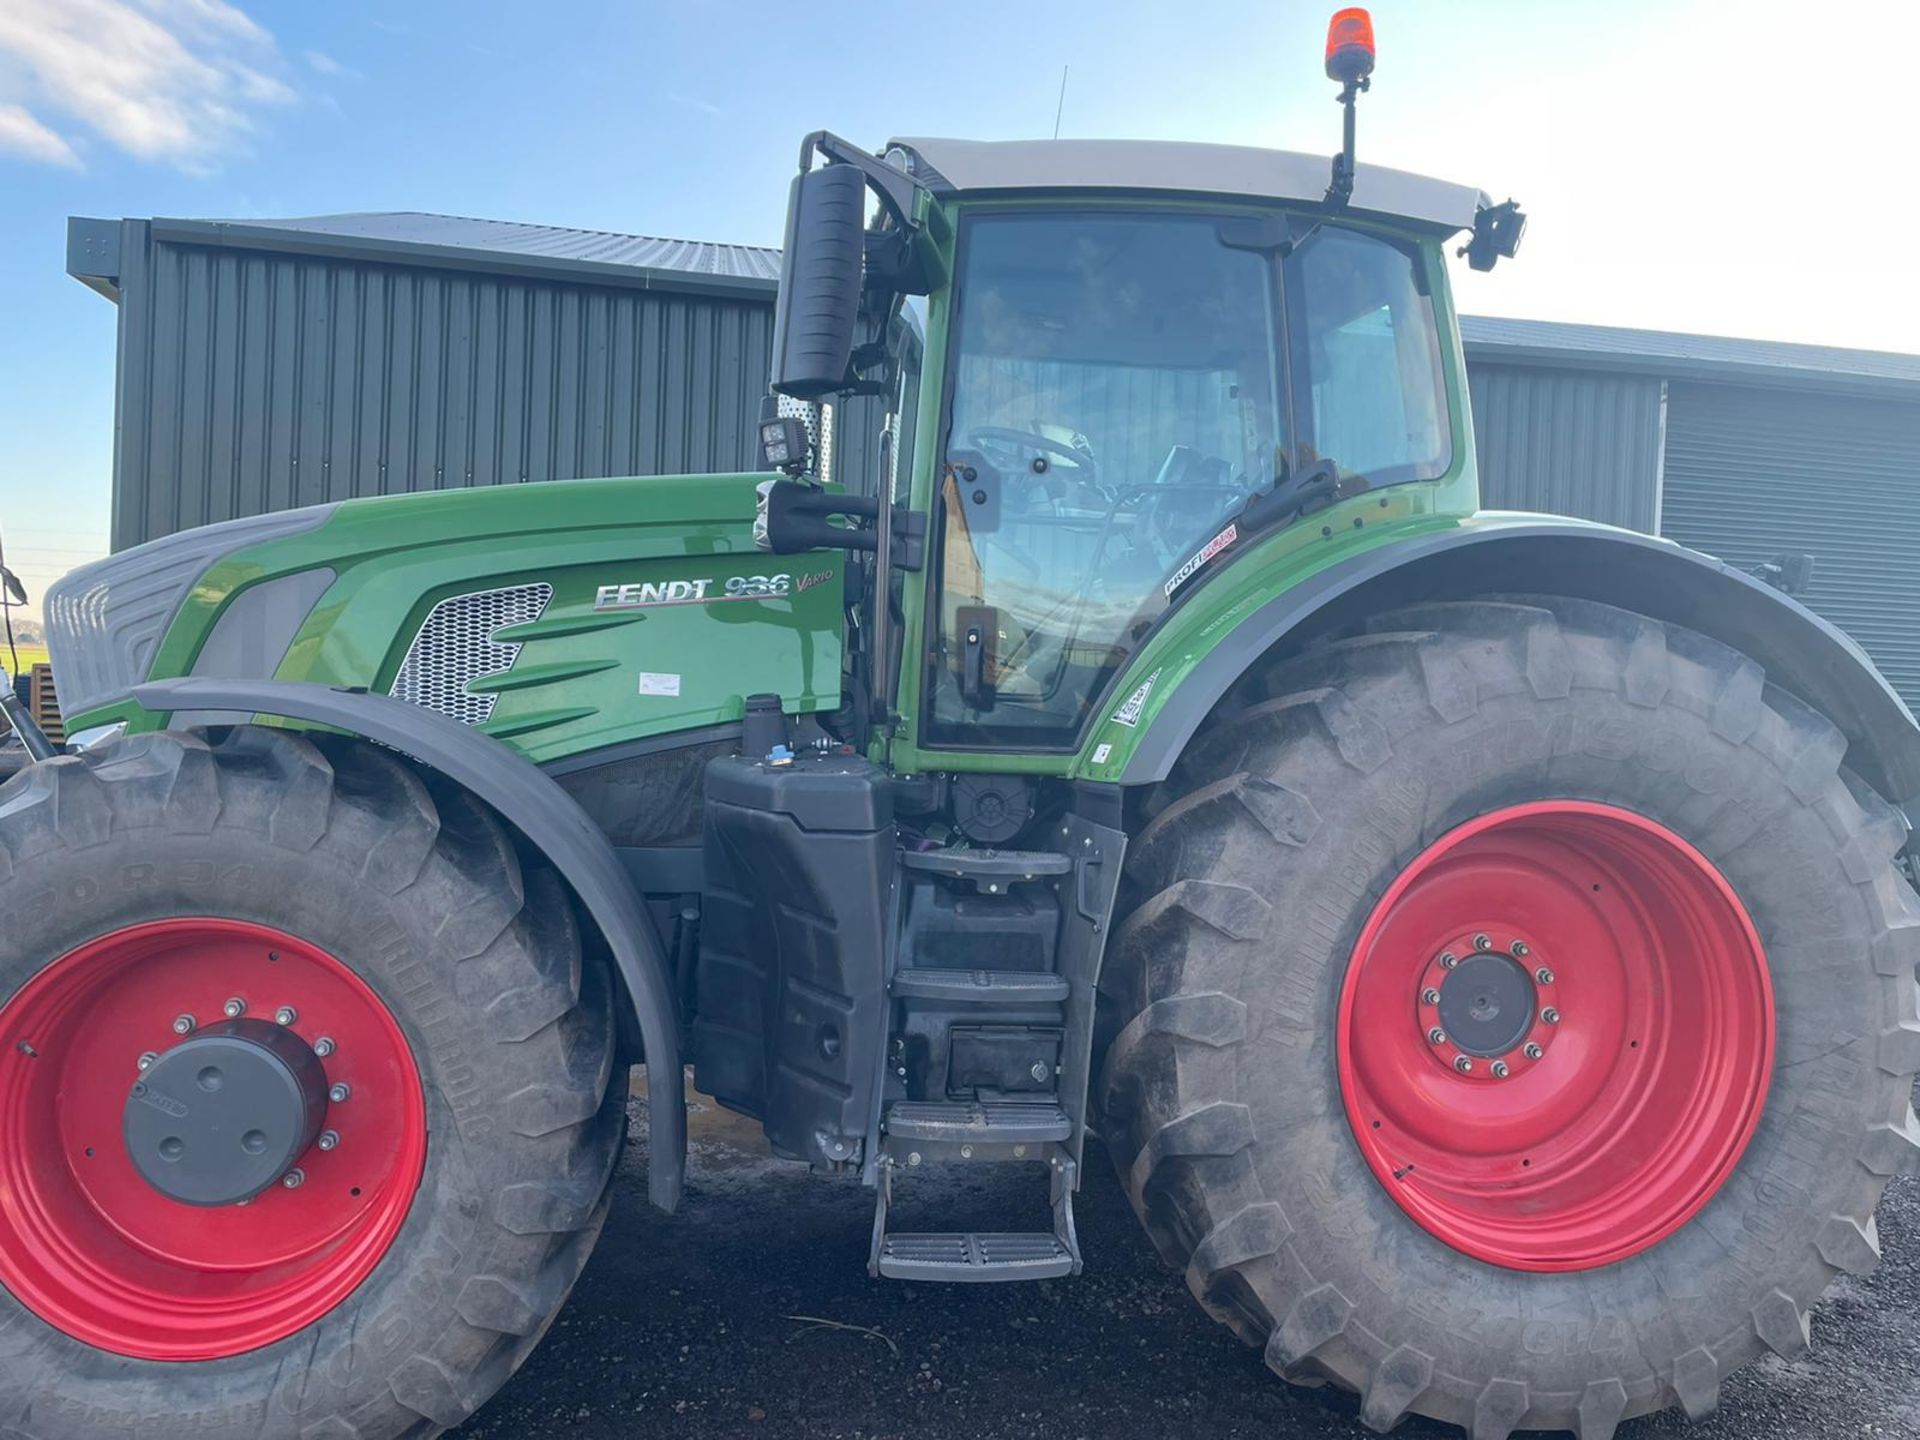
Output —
<point x="1515" y="1016"/>
<point x="307" y="1122"/>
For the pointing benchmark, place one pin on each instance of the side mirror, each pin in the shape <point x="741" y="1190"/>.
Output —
<point x="820" y="278"/>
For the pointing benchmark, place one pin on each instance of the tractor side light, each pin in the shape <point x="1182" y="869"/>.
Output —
<point x="783" y="444"/>
<point x="1350" y="46"/>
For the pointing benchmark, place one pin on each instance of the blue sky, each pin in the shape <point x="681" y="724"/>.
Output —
<point x="1684" y="170"/>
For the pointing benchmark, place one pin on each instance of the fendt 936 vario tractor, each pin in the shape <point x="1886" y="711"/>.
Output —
<point x="1480" y="941"/>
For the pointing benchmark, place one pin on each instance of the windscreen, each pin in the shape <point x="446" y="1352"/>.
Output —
<point x="1121" y="385"/>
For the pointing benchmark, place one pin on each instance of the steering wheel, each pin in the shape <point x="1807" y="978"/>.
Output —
<point x="1016" y="445"/>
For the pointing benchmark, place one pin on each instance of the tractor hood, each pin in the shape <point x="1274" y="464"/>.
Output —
<point x="567" y="615"/>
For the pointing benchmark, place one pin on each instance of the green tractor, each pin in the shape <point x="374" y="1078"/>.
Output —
<point x="1479" y="941"/>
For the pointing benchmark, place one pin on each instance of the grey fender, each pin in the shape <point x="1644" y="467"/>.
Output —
<point x="551" y="820"/>
<point x="1525" y="555"/>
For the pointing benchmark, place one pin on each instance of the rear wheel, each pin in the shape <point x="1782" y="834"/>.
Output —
<point x="1519" y="1017"/>
<point x="306" y="1123"/>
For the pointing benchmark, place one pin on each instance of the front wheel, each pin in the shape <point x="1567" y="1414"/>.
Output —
<point x="1519" y="1017"/>
<point x="306" y="1123"/>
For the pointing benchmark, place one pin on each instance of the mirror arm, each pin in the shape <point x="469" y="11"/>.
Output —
<point x="898" y="191"/>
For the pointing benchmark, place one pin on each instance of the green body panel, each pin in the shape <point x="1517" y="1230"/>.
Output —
<point x="576" y="684"/>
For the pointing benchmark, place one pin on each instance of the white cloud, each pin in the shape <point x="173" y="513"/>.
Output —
<point x="21" y="134"/>
<point x="325" y="64"/>
<point x="177" y="81"/>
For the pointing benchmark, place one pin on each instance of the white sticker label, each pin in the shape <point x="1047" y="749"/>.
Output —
<point x="1129" y="713"/>
<point x="654" y="683"/>
<point x="1212" y="548"/>
<point x="1100" y="753"/>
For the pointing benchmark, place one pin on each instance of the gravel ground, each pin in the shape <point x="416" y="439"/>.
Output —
<point x="687" y="1327"/>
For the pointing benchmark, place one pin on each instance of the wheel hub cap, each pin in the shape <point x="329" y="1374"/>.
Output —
<point x="220" y="1117"/>
<point x="1555" y="1036"/>
<point x="1486" y="1005"/>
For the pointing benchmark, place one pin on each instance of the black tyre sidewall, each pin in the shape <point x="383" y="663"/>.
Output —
<point x="337" y="1372"/>
<point x="1691" y="1300"/>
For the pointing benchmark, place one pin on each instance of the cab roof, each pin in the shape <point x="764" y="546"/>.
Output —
<point x="970" y="167"/>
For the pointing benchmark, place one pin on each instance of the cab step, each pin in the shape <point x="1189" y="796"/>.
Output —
<point x="978" y="1257"/>
<point x="981" y="987"/>
<point x="994" y="868"/>
<point x="974" y="1257"/>
<point x="974" y="1123"/>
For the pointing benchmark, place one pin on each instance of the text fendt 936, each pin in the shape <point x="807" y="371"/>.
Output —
<point x="1478" y="940"/>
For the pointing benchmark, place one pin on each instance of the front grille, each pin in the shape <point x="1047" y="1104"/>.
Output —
<point x="455" y="646"/>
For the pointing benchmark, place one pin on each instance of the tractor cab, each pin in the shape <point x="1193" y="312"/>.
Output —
<point x="1111" y="365"/>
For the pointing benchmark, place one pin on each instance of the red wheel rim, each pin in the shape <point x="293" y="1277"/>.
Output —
<point x="93" y="1249"/>
<point x="1598" y="1120"/>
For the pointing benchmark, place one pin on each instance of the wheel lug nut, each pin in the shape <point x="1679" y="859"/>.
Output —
<point x="323" y="1047"/>
<point x="294" y="1179"/>
<point x="1429" y="996"/>
<point x="1534" y="1052"/>
<point x="1481" y="942"/>
<point x="234" y="1008"/>
<point x="145" y="1062"/>
<point x="1519" y="948"/>
<point x="328" y="1139"/>
<point x="1543" y="975"/>
<point x="340" y="1093"/>
<point x="285" y="1015"/>
<point x="183" y="1024"/>
<point x="1449" y="960"/>
<point x="1550" y="1015"/>
<point x="1437" y="1036"/>
<point x="1463" y="1065"/>
<point x="1500" y="1071"/>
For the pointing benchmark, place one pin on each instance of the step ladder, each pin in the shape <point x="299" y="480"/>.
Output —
<point x="1007" y="1124"/>
<point x="919" y="1133"/>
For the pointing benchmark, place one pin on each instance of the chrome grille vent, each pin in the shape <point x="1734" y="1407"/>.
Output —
<point x="455" y="646"/>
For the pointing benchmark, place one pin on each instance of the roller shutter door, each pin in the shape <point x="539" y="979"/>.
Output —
<point x="1752" y="472"/>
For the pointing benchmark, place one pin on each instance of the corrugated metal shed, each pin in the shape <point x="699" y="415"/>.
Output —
<point x="1571" y="442"/>
<point x="1754" y="473"/>
<point x="268" y="364"/>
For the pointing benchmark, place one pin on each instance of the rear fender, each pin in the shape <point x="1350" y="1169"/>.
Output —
<point x="552" y="821"/>
<point x="1522" y="554"/>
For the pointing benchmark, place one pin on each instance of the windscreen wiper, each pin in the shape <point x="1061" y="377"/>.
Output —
<point x="1319" y="485"/>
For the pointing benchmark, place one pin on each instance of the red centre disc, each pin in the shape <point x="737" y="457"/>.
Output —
<point x="1555" y="1036"/>
<point x="91" y="1247"/>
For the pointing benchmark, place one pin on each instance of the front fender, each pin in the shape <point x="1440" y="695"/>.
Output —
<point x="1525" y="554"/>
<point x="551" y="820"/>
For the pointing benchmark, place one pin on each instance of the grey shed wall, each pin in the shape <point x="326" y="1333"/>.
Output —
<point x="253" y="380"/>
<point x="1570" y="442"/>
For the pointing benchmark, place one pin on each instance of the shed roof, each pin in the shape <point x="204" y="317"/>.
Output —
<point x="1681" y="356"/>
<point x="416" y="237"/>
